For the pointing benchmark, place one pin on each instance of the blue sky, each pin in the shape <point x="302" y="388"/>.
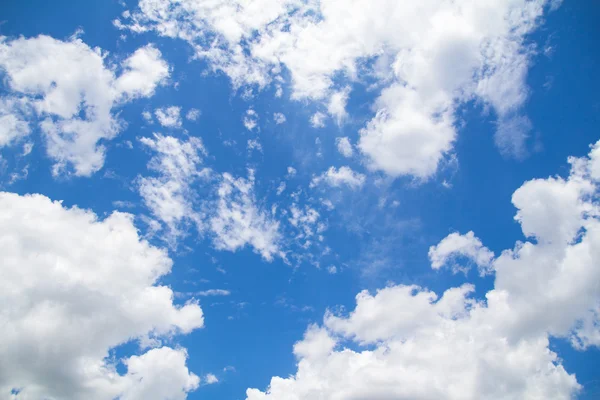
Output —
<point x="441" y="162"/>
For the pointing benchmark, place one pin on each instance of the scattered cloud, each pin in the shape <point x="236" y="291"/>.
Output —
<point x="251" y="120"/>
<point x="405" y="338"/>
<point x="210" y="379"/>
<point x="254" y="144"/>
<point x="238" y="221"/>
<point x="169" y="117"/>
<point x="428" y="58"/>
<point x="169" y="195"/>
<point x="318" y="120"/>
<point x="214" y="292"/>
<point x="73" y="94"/>
<point x="279" y="118"/>
<point x="340" y="177"/>
<point x="193" y="114"/>
<point x="344" y="146"/>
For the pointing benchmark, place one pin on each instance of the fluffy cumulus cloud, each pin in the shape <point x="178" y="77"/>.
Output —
<point x="169" y="117"/>
<point x="239" y="221"/>
<point x="455" y="246"/>
<point x="429" y="57"/>
<point x="344" y="176"/>
<point x="169" y="195"/>
<point x="344" y="146"/>
<point x="73" y="94"/>
<point x="405" y="339"/>
<point x="73" y="288"/>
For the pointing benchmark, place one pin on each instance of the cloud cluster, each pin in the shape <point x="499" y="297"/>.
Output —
<point x="409" y="343"/>
<point x="238" y="221"/>
<point x="429" y="57"/>
<point x="169" y="196"/>
<point x="228" y="211"/>
<point x="73" y="93"/>
<point x="344" y="176"/>
<point x="169" y="117"/>
<point x="454" y="246"/>
<point x="74" y="288"/>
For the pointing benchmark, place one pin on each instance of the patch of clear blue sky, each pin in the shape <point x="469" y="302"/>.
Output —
<point x="375" y="245"/>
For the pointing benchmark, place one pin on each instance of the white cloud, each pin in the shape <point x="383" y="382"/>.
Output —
<point x="193" y="114"/>
<point x="159" y="374"/>
<point x="74" y="287"/>
<point x="409" y="135"/>
<point x="279" y="118"/>
<point x="254" y="144"/>
<point x="238" y="221"/>
<point x="337" y="105"/>
<point x="169" y="196"/>
<point x="430" y="58"/>
<point x="511" y="134"/>
<point x="214" y="292"/>
<point x="73" y="93"/>
<point x="147" y="115"/>
<point x="344" y="146"/>
<point x="332" y="269"/>
<point x="305" y="220"/>
<point x="405" y="339"/>
<point x="291" y="171"/>
<point x="13" y="123"/>
<point x="594" y="165"/>
<point x="318" y="120"/>
<point x="210" y="379"/>
<point x="142" y="72"/>
<point x="169" y="117"/>
<point x="281" y="188"/>
<point x="455" y="245"/>
<point x="250" y="119"/>
<point x="337" y="178"/>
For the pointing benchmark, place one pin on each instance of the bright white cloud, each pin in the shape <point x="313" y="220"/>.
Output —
<point x="344" y="146"/>
<point x="340" y="177"/>
<point x="169" y="196"/>
<point x="238" y="221"/>
<point x="429" y="57"/>
<point x="169" y="117"/>
<point x="73" y="93"/>
<point x="159" y="374"/>
<point x="73" y="288"/>
<point x="455" y="246"/>
<point x="142" y="72"/>
<point x="279" y="118"/>
<point x="543" y="288"/>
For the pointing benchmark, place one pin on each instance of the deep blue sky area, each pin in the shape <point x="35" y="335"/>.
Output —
<point x="376" y="236"/>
